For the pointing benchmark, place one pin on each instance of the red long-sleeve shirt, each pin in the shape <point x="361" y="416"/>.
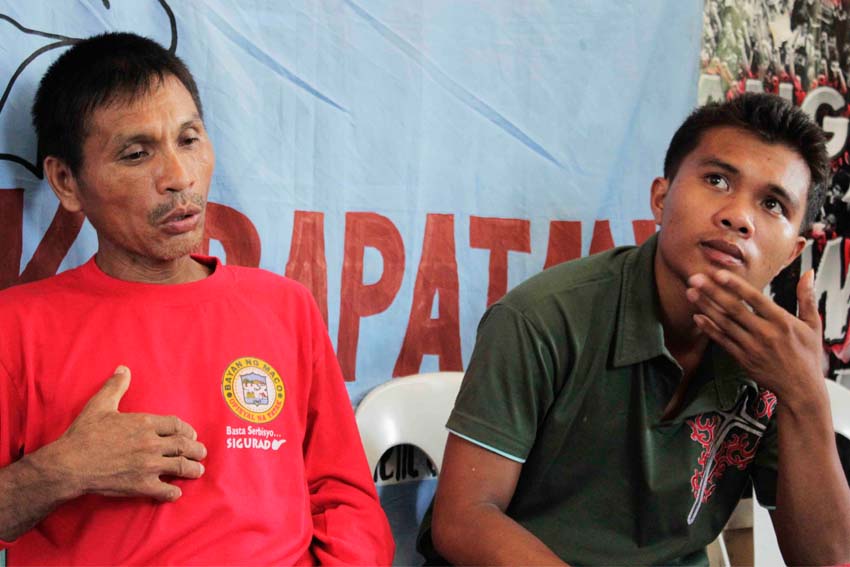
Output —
<point x="243" y="356"/>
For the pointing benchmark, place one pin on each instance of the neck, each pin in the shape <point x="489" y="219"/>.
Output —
<point x="140" y="269"/>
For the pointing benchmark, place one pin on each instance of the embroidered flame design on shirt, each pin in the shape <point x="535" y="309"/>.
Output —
<point x="736" y="451"/>
<point x="728" y="439"/>
<point x="766" y="404"/>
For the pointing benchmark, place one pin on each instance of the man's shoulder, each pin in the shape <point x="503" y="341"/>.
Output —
<point x="260" y="280"/>
<point x="259" y="276"/>
<point x="44" y="289"/>
<point x="571" y="283"/>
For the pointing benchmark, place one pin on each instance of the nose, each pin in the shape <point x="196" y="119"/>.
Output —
<point x="175" y="175"/>
<point x="737" y="217"/>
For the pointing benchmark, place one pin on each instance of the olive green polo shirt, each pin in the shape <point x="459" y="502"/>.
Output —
<point x="570" y="377"/>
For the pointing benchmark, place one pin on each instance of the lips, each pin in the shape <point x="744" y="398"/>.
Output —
<point x="181" y="213"/>
<point x="722" y="252"/>
<point x="181" y="220"/>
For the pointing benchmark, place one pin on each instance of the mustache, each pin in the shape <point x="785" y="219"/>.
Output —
<point x="177" y="200"/>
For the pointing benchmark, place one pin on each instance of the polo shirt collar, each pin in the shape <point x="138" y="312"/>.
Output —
<point x="639" y="334"/>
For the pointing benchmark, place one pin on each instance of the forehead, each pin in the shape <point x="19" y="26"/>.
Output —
<point x="165" y="102"/>
<point x="772" y="163"/>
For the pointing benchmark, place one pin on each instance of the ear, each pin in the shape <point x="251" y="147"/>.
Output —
<point x="660" y="188"/>
<point x="799" y="245"/>
<point x="63" y="182"/>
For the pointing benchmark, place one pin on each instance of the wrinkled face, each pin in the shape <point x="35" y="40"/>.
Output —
<point x="146" y="171"/>
<point x="735" y="203"/>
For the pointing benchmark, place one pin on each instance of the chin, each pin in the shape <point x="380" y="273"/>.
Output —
<point x="180" y="248"/>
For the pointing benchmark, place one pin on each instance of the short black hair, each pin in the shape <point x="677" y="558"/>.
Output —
<point x="96" y="72"/>
<point x="771" y="118"/>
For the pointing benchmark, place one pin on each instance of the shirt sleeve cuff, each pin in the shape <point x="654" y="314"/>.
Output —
<point x="488" y="447"/>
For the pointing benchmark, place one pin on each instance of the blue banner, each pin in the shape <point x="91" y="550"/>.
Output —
<point x="407" y="161"/>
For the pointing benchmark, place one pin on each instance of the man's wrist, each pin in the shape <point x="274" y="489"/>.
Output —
<point x="48" y="469"/>
<point x="802" y="393"/>
<point x="809" y="406"/>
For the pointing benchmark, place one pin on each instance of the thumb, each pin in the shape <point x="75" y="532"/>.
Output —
<point x="806" y="306"/>
<point x="113" y="390"/>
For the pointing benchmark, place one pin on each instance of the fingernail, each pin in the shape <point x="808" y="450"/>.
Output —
<point x="202" y="468"/>
<point x="722" y="276"/>
<point x="120" y="369"/>
<point x="691" y="294"/>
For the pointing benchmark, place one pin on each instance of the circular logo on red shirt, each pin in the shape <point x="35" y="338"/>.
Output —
<point x="253" y="389"/>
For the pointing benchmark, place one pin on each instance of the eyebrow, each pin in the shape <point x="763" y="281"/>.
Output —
<point x="720" y="164"/>
<point x="777" y="191"/>
<point x="192" y="122"/>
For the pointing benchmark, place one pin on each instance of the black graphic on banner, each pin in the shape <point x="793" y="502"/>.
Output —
<point x="59" y="41"/>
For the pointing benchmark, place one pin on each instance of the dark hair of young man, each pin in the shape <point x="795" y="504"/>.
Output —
<point x="95" y="72"/>
<point x="771" y="118"/>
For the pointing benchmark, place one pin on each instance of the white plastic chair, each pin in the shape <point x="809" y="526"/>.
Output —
<point x="718" y="556"/>
<point x="765" y="547"/>
<point x="410" y="410"/>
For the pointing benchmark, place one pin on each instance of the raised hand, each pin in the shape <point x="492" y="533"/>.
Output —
<point x="779" y="351"/>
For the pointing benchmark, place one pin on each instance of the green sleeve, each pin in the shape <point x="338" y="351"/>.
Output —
<point x="508" y="386"/>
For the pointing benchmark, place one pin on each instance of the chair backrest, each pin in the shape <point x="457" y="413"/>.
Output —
<point x="410" y="410"/>
<point x="765" y="547"/>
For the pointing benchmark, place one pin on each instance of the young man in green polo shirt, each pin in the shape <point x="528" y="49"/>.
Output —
<point x="616" y="407"/>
